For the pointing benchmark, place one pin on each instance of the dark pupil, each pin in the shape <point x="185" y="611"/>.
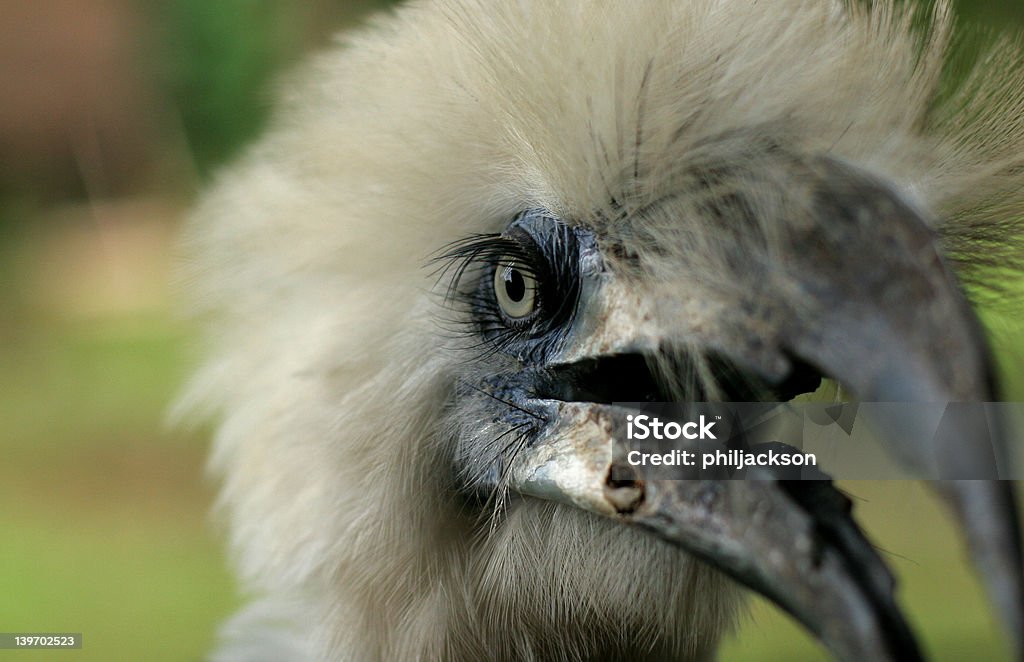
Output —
<point x="515" y="285"/>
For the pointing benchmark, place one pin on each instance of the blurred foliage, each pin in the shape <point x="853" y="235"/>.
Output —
<point x="216" y="59"/>
<point x="994" y="12"/>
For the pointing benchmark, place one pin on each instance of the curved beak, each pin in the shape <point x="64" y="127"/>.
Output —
<point x="859" y="290"/>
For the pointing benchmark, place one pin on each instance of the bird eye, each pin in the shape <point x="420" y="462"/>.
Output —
<point x="515" y="289"/>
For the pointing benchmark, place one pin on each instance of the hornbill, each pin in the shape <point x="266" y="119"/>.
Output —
<point x="473" y="230"/>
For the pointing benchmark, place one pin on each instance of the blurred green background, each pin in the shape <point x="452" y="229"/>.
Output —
<point x="114" y="114"/>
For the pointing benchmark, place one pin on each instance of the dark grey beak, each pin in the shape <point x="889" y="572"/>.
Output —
<point x="861" y="292"/>
<point x="906" y="333"/>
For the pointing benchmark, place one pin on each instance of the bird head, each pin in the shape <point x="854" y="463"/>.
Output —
<point x="474" y="231"/>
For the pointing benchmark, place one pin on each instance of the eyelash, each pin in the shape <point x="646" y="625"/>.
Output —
<point x="470" y="263"/>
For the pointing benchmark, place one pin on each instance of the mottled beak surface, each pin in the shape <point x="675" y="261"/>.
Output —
<point x="853" y="288"/>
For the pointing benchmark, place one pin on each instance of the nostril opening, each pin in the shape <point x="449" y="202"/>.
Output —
<point x="624" y="494"/>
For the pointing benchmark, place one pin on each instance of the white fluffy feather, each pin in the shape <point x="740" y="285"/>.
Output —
<point x="325" y="368"/>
